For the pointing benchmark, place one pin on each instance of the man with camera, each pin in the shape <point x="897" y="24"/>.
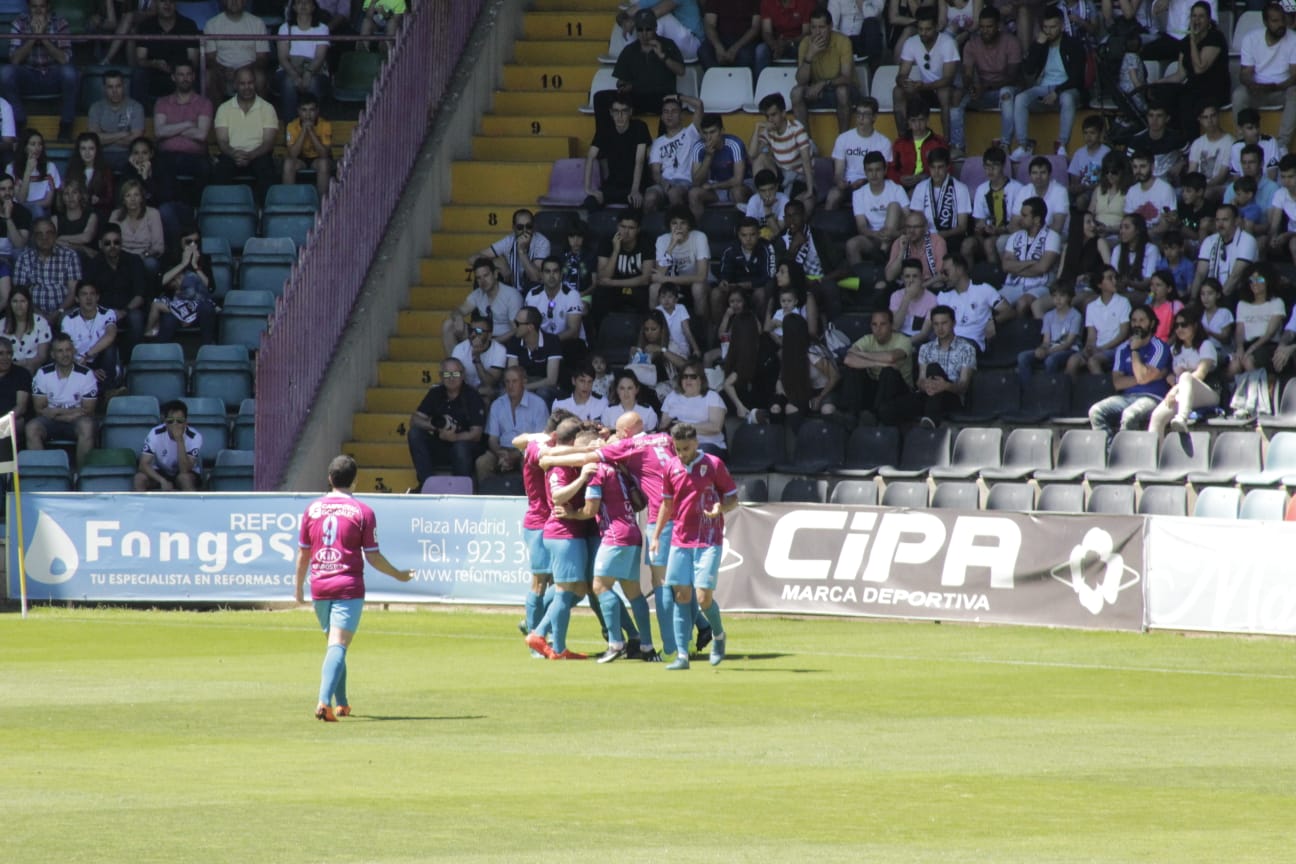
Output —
<point x="1138" y="376"/>
<point x="447" y="425"/>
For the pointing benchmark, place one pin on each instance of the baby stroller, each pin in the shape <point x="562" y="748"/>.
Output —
<point x="1123" y="116"/>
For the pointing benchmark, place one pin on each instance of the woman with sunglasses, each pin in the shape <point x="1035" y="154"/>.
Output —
<point x="694" y="403"/>
<point x="1259" y="320"/>
<point x="1107" y="203"/>
<point x="1193" y="362"/>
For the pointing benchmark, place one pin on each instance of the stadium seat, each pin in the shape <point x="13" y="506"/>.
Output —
<point x="884" y="81"/>
<point x="295" y="225"/>
<point x="244" y="317"/>
<point x="803" y="490"/>
<point x="1081" y="450"/>
<point x="1131" y="451"/>
<point x="618" y="332"/>
<point x="267" y="276"/>
<point x="108" y="470"/>
<point x="603" y="80"/>
<point x="1061" y="498"/>
<point x="555" y="226"/>
<point x="45" y="470"/>
<point x="223" y="371"/>
<point x="1264" y="504"/>
<point x="501" y="484"/>
<point x="1170" y="500"/>
<point x="869" y="448"/>
<point x="720" y="224"/>
<point x="854" y="325"/>
<point x="755" y="447"/>
<point x="1180" y="455"/>
<point x="994" y="392"/>
<point x="923" y="450"/>
<point x="207" y="417"/>
<point x="245" y="425"/>
<point x="235" y="227"/>
<point x="127" y="422"/>
<point x="1087" y="390"/>
<point x="1011" y="338"/>
<point x="726" y="89"/>
<point x="687" y="84"/>
<point x="971" y="172"/>
<point x="773" y="79"/>
<point x="1025" y="452"/>
<point x="1286" y="416"/>
<point x="820" y="446"/>
<point x="275" y="248"/>
<point x="1279" y="462"/>
<point x="1217" y="502"/>
<point x="1018" y="497"/>
<point x="956" y="495"/>
<point x="1111" y="498"/>
<point x="567" y="184"/>
<point x="1232" y="453"/>
<point x="855" y="493"/>
<point x="157" y="369"/>
<point x="198" y="10"/>
<point x="1252" y="19"/>
<point x="975" y="448"/>
<point x="839" y="225"/>
<point x="905" y="493"/>
<point x="292" y="198"/>
<point x="356" y="73"/>
<point x="233" y="472"/>
<point x="752" y="488"/>
<point x="233" y="196"/>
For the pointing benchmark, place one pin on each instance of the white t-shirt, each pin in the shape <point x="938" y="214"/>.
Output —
<point x="851" y="148"/>
<point x="1220" y="256"/>
<point x="1209" y="156"/>
<point x="930" y="65"/>
<point x="85" y="333"/>
<point x="1027" y="248"/>
<point x="537" y="251"/>
<point x="873" y="207"/>
<point x="684" y="258"/>
<point x="695" y="409"/>
<point x="303" y="47"/>
<point x="1087" y="166"/>
<point x="981" y="199"/>
<point x="1151" y="255"/>
<point x="756" y="207"/>
<point x="166" y="455"/>
<point x="28" y="346"/>
<point x="591" y="410"/>
<point x="1283" y="200"/>
<point x="494" y="357"/>
<point x="1189" y="358"/>
<point x="7" y="127"/>
<point x="676" y="321"/>
<point x="1271" y="150"/>
<point x="1270" y="62"/>
<point x="553" y="313"/>
<point x="1107" y="318"/>
<point x="1056" y="198"/>
<point x="1151" y="203"/>
<point x="64" y="392"/>
<point x="972" y="310"/>
<point x="501" y="311"/>
<point x="1215" y="322"/>
<point x="613" y="412"/>
<point x="674" y="153"/>
<point x="1253" y="318"/>
<point x="38" y="188"/>
<point x="938" y="205"/>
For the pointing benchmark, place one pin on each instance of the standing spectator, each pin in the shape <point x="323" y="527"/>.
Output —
<point x="1054" y="70"/>
<point x="116" y="119"/>
<point x="991" y="76"/>
<point x="783" y="24"/>
<point x="17" y="220"/>
<point x="15" y="388"/>
<point x="733" y="30"/>
<point x="40" y="64"/>
<point x="861" y="22"/>
<point x="447" y="425"/>
<point x="49" y="270"/>
<point x="141" y="226"/>
<point x="227" y="57"/>
<point x="182" y="123"/>
<point x="670" y="158"/>
<point x="879" y="205"/>
<point x="35" y="176"/>
<point x="945" y="368"/>
<point x="719" y="168"/>
<point x="935" y="56"/>
<point x="536" y="353"/>
<point x="622" y="145"/>
<point x="517" y="412"/>
<point x="302" y="62"/>
<point x="1138" y="377"/>
<point x="309" y="143"/>
<point x="825" y="74"/>
<point x="156" y="61"/>
<point x="246" y="130"/>
<point x="879" y="371"/>
<point x="94" y="335"/>
<point x="1268" y="72"/>
<point x="781" y="144"/>
<point x="87" y="164"/>
<point x="64" y="396"/>
<point x="646" y="70"/>
<point x="123" y="281"/>
<point x="171" y="458"/>
<point x="490" y="297"/>
<point x="850" y="150"/>
<point x="26" y="330"/>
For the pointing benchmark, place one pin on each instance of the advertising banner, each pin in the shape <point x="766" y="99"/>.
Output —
<point x="238" y="547"/>
<point x="1004" y="568"/>
<point x="1228" y="576"/>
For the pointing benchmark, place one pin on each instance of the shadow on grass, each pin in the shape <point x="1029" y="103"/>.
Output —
<point x="376" y="718"/>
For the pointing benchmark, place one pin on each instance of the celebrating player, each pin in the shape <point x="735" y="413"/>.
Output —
<point x="537" y="513"/>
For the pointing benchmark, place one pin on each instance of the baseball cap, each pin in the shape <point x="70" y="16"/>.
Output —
<point x="645" y="18"/>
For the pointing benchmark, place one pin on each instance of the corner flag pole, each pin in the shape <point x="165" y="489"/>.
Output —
<point x="11" y="467"/>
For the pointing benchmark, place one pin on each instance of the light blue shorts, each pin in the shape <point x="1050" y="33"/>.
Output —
<point x="663" y="549"/>
<point x="536" y="548"/>
<point x="697" y="567"/>
<point x="342" y="614"/>
<point x="618" y="562"/>
<point x="567" y="559"/>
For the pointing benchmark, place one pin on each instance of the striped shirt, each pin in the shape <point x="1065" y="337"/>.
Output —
<point x="786" y="146"/>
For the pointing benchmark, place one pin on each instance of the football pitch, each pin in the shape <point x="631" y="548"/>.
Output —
<point x="169" y="736"/>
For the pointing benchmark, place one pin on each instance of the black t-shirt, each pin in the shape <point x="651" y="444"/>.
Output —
<point x="467" y="408"/>
<point x="19" y="380"/>
<point x="171" y="52"/>
<point x="117" y="287"/>
<point x="646" y="72"/>
<point x="535" y="362"/>
<point x="1213" y="86"/>
<point x="618" y="148"/>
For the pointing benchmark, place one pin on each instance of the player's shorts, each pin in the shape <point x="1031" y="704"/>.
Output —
<point x="536" y="550"/>
<point x="342" y="614"/>
<point x="617" y="562"/>
<point x="697" y="567"/>
<point x="663" y="549"/>
<point x="567" y="559"/>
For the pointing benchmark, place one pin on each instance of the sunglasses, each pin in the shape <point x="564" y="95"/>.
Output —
<point x="110" y="242"/>
<point x="693" y="375"/>
<point x="926" y="61"/>
<point x="174" y="422"/>
<point x="522" y="226"/>
<point x="451" y="374"/>
<point x="478" y="331"/>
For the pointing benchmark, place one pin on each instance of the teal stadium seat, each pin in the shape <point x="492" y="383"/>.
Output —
<point x="207" y="416"/>
<point x="127" y="422"/>
<point x="224" y="372"/>
<point x="245" y="425"/>
<point x="233" y="472"/>
<point x="158" y="370"/>
<point x="244" y="316"/>
<point x="44" y="471"/>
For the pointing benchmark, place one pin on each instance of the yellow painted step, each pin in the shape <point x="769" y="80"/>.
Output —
<point x="488" y="219"/>
<point x="379" y="454"/>
<point x="601" y="7"/>
<point x="394" y="373"/>
<point x="372" y="480"/>
<point x="533" y="103"/>
<point x="557" y="52"/>
<point x="443" y="271"/>
<point x="415" y="349"/>
<point x="592" y="25"/>
<point x="572" y="125"/>
<point x="550" y="77"/>
<point x="420" y="322"/>
<point x="493" y="182"/>
<point x="380" y="427"/>
<point x="393" y="400"/>
<point x="437" y="297"/>
<point x="453" y="244"/>
<point x="529" y="148"/>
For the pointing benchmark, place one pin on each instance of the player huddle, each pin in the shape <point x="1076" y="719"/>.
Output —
<point x="584" y="487"/>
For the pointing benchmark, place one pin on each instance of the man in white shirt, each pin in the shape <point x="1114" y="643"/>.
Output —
<point x="1150" y="196"/>
<point x="94" y="333"/>
<point x="945" y="201"/>
<point x="483" y="358"/>
<point x="1106" y="327"/>
<point x="1209" y="152"/>
<point x="670" y="156"/>
<point x="1282" y="210"/>
<point x="1031" y="261"/>
<point x="850" y="149"/>
<point x="879" y="206"/>
<point x="64" y="396"/>
<point x="561" y="309"/>
<point x="935" y="56"/>
<point x="1042" y="185"/>
<point x="172" y="454"/>
<point x="492" y="298"/>
<point x="976" y="305"/>
<point x="583" y="404"/>
<point x="517" y="256"/>
<point x="1226" y="254"/>
<point x="1269" y="71"/>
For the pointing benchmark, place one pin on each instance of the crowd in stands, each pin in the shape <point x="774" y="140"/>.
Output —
<point x="1157" y="254"/>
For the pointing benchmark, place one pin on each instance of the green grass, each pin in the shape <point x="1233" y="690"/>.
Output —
<point x="129" y="736"/>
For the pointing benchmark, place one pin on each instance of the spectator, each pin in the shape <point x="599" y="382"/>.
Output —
<point x="1249" y="135"/>
<point x="1209" y="153"/>
<point x="303" y="63"/>
<point x="732" y="31"/>
<point x="17" y="220"/>
<point x="768" y="206"/>
<point x="583" y="404"/>
<point x="792" y="298"/>
<point x="1165" y="306"/>
<point x="1085" y="168"/>
<point x="1106" y="327"/>
<point x="991" y="208"/>
<point x="1031" y="260"/>
<point x="1042" y="185"/>
<point x="1226" y="254"/>
<point x="746" y="387"/>
<point x="309" y="144"/>
<point x="26" y="330"/>
<point x="880" y="206"/>
<point x="719" y="168"/>
<point x="622" y="145"/>
<point x="8" y="130"/>
<point x="187" y="288"/>
<point x="156" y="61"/>
<point x="919" y="244"/>
<point x="76" y="223"/>
<point x="627" y="395"/>
<point x="64" y="396"/>
<point x="912" y="149"/>
<point x="1164" y="144"/>
<point x="1138" y="377"/>
<point x="40" y="64"/>
<point x="746" y="267"/>
<point x="1151" y="197"/>
<point x="171" y="459"/>
<point x="945" y="368"/>
<point x="1282" y="211"/>
<point x="935" y="57"/>
<point x="182" y="123"/>
<point x="562" y="310"/>
<point x="36" y="178"/>
<point x="646" y="70"/>
<point x="491" y="298"/>
<point x="825" y="74"/>
<point x="141" y="226"/>
<point x="482" y="357"/>
<point x="246" y="130"/>
<point x="49" y="270"/>
<point x="1174" y="261"/>
<point x="911" y="304"/>
<point x="861" y="22"/>
<point x="1250" y="216"/>
<point x="1107" y="204"/>
<point x="670" y="158"/>
<point x="623" y="272"/>
<point x="337" y="15"/>
<point x="781" y="144"/>
<point x="1060" y="336"/>
<point x="944" y="201"/>
<point x="15" y="388"/>
<point x="537" y="353"/>
<point x="849" y="152"/>
<point x="1134" y="258"/>
<point x="1054" y="70"/>
<point x="517" y="256"/>
<point x="694" y="403"/>
<point x="680" y="340"/>
<point x="682" y="259"/>
<point x="1267" y="74"/>
<point x="679" y="21"/>
<point x="783" y="24"/>
<point x="808" y="374"/>
<point x="1259" y="320"/>
<point x="227" y="57"/>
<point x="879" y="371"/>
<point x="116" y="119"/>
<point x="1193" y="361"/>
<point x="94" y="335"/>
<point x="87" y="165"/>
<point x="384" y="16"/>
<point x="446" y="428"/>
<point x="991" y="76"/>
<point x="123" y="281"/>
<point x="1265" y="189"/>
<point x="517" y="412"/>
<point x="653" y="349"/>
<point x="974" y="306"/>
<point x="1202" y="77"/>
<point x="808" y="247"/>
<point x="902" y="16"/>
<point x="142" y="168"/>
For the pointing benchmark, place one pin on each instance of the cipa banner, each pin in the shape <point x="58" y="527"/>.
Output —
<point x="243" y="547"/>
<point x="1004" y="568"/>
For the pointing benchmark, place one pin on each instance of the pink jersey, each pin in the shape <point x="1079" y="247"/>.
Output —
<point x="646" y="455"/>
<point x="565" y="529"/>
<point x="338" y="530"/>
<point x="695" y="489"/>
<point x="533" y="483"/>
<point x="616" y="516"/>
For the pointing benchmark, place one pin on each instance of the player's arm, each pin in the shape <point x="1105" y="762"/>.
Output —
<point x="379" y="562"/>
<point x="570" y="459"/>
<point x="299" y="581"/>
<point x="563" y="494"/>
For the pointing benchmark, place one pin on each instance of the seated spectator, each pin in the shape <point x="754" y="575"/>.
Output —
<point x="1042" y="185"/>
<point x="171" y="458"/>
<point x="746" y="267"/>
<point x="1059" y="336"/>
<point x="746" y="384"/>
<point x="627" y="395"/>
<point x="76" y="223"/>
<point x="579" y="263"/>
<point x="1266" y="76"/>
<point x="182" y="123"/>
<point x="992" y="209"/>
<point x="517" y="256"/>
<point x="792" y="298"/>
<point x="119" y="18"/>
<point x="1163" y="303"/>
<point x="879" y="371"/>
<point x="768" y="205"/>
<point x="516" y="412"/>
<point x="619" y="152"/>
<point x="26" y="330"/>
<point x="8" y="131"/>
<point x="911" y="304"/>
<point x="1179" y="265"/>
<point x="561" y="309"/>
<point x="1193" y="382"/>
<point x="683" y="259"/>
<point x="1251" y="158"/>
<point x="88" y="166"/>
<point x="6" y="283"/>
<point x="851" y="149"/>
<point x="974" y="306"/>
<point x="1107" y="203"/>
<point x="945" y="368"/>
<point x="784" y="23"/>
<point x="912" y="149"/>
<point x="653" y="349"/>
<point x="1085" y="168"/>
<point x="719" y="168"/>
<point x="623" y="269"/>
<point x="41" y="64"/>
<point x="187" y="289"/>
<point x="537" y="353"/>
<point x="381" y="16"/>
<point x="1249" y="135"/>
<point x="1195" y="216"/>
<point x="902" y="21"/>
<point x="825" y="73"/>
<point x="1217" y="320"/>
<point x="1227" y="254"/>
<point x="156" y="61"/>
<point x="446" y="428"/>
<point x="781" y="144"/>
<point x="1259" y="320"/>
<point x="303" y="63"/>
<point x="308" y="140"/>
<point x="36" y="178"/>
<point x="680" y="340"/>
<point x="918" y="244"/>
<point x="116" y="119"/>
<point x="861" y="22"/>
<point x="124" y="282"/>
<point x="157" y="185"/>
<point x="246" y="130"/>
<point x="1054" y="71"/>
<point x="679" y="21"/>
<point x="482" y="357"/>
<point x="646" y="70"/>
<point x="491" y="298"/>
<point x="880" y="206"/>
<point x="1209" y="152"/>
<point x="732" y="31"/>
<point x="1202" y="76"/>
<point x="1106" y="327"/>
<point x="991" y="75"/>
<point x="227" y="57"/>
<point x="808" y="374"/>
<point x="1282" y="212"/>
<point x="94" y="335"/>
<point x="141" y="226"/>
<point x="943" y="200"/>
<point x="1250" y="215"/>
<point x="15" y="388"/>
<point x="1134" y="258"/>
<point x="694" y="403"/>
<point x="1162" y="142"/>
<point x="1138" y="376"/>
<point x="935" y="57"/>
<point x="49" y="270"/>
<point x="815" y="253"/>
<point x="582" y="403"/>
<point x="1286" y="340"/>
<point x="64" y="396"/>
<point x="671" y="156"/>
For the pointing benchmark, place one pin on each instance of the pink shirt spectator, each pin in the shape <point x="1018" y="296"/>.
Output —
<point x="616" y="516"/>
<point x="565" y="529"/>
<point x="992" y="61"/>
<point x="695" y="489"/>
<point x="338" y="530"/>
<point x="533" y="483"/>
<point x="646" y="455"/>
<point x="174" y="112"/>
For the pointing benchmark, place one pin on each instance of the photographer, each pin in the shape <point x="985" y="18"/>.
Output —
<point x="1138" y="376"/>
<point x="447" y="425"/>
